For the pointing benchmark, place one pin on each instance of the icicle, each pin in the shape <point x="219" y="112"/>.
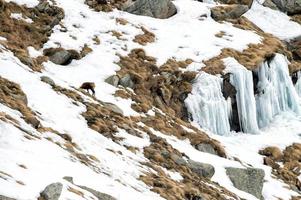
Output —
<point x="298" y="84"/>
<point x="207" y="105"/>
<point x="276" y="90"/>
<point x="242" y="80"/>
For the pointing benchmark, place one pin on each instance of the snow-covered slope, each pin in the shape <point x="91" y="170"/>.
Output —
<point x="31" y="159"/>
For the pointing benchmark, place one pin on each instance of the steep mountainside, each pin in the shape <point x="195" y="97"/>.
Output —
<point x="193" y="100"/>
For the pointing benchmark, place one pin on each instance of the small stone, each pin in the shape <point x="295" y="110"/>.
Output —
<point x="112" y="80"/>
<point x="201" y="169"/>
<point x="48" y="80"/>
<point x="52" y="191"/>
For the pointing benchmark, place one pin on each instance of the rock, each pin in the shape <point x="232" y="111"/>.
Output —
<point x="6" y="198"/>
<point x="52" y="191"/>
<point x="270" y="4"/>
<point x="61" y="57"/>
<point x="178" y="160"/>
<point x="21" y="97"/>
<point x="112" y="80"/>
<point x="249" y="180"/>
<point x="113" y="108"/>
<point x="207" y="148"/>
<point x="48" y="80"/>
<point x="228" y="12"/>
<point x="153" y="8"/>
<point x="127" y="81"/>
<point x="69" y="179"/>
<point x="289" y="6"/>
<point x="99" y="195"/>
<point x="273" y="152"/>
<point x="202" y="169"/>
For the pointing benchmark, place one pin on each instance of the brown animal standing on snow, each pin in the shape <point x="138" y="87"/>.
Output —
<point x="88" y="86"/>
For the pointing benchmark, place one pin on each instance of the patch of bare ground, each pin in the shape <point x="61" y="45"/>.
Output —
<point x="251" y="57"/>
<point x="146" y="37"/>
<point x="240" y="2"/>
<point x="12" y="96"/>
<point x="105" y="5"/>
<point x="290" y="168"/>
<point x="160" y="153"/>
<point x="21" y="34"/>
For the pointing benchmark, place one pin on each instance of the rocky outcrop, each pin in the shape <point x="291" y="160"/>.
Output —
<point x="201" y="169"/>
<point x="229" y="91"/>
<point x="127" y="81"/>
<point x="249" y="180"/>
<point x="207" y="148"/>
<point x="153" y="8"/>
<point x="112" y="80"/>
<point x="48" y="80"/>
<point x="228" y="12"/>
<point x="289" y="6"/>
<point x="61" y="56"/>
<point x="52" y="191"/>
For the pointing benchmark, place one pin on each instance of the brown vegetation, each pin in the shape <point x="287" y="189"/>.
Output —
<point x="146" y="37"/>
<point x="100" y="5"/>
<point x="21" y="34"/>
<point x="12" y="96"/>
<point x="290" y="169"/>
<point x="251" y="57"/>
<point x="160" y="153"/>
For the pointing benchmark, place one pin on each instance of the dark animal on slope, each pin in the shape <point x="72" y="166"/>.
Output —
<point x="102" y="2"/>
<point x="88" y="86"/>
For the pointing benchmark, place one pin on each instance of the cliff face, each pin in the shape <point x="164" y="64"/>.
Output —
<point x="169" y="94"/>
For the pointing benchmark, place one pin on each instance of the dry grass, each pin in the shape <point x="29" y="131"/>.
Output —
<point x="251" y="57"/>
<point x="20" y="34"/>
<point x="290" y="158"/>
<point x="192" y="185"/>
<point x="146" y="37"/>
<point x="12" y="96"/>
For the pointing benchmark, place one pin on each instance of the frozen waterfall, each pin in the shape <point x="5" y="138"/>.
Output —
<point x="298" y="84"/>
<point x="276" y="92"/>
<point x="207" y="105"/>
<point x="242" y="80"/>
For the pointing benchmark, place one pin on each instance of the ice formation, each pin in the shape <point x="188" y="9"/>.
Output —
<point x="242" y="80"/>
<point x="275" y="93"/>
<point x="298" y="84"/>
<point x="207" y="105"/>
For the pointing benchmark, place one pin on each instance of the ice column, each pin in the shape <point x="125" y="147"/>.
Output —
<point x="242" y="80"/>
<point x="276" y="92"/>
<point x="207" y="105"/>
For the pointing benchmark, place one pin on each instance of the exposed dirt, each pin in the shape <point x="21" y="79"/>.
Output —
<point x="105" y="5"/>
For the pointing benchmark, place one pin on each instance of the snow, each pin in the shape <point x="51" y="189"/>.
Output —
<point x="273" y="21"/>
<point x="188" y="34"/>
<point x="18" y="16"/>
<point x="47" y="162"/>
<point x="207" y="105"/>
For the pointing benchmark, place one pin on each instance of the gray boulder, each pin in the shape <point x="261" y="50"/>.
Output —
<point x="99" y="195"/>
<point x="249" y="180"/>
<point x="289" y="6"/>
<point x="61" y="57"/>
<point x="6" y="198"/>
<point x="202" y="169"/>
<point x="127" y="81"/>
<point x="153" y="8"/>
<point x="52" y="191"/>
<point x="228" y="12"/>
<point x="48" y="80"/>
<point x="112" y="80"/>
<point x="270" y="4"/>
<point x="113" y="108"/>
<point x="207" y="148"/>
<point x="178" y="160"/>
